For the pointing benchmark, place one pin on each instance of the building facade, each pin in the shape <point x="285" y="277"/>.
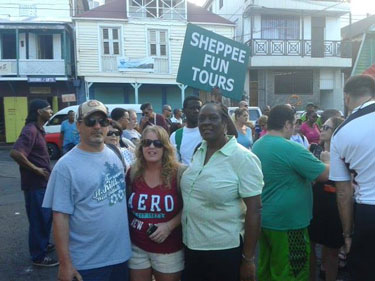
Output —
<point x="128" y="51"/>
<point x="297" y="55"/>
<point x="36" y="58"/>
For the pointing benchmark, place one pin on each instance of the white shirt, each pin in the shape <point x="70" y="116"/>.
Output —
<point x="175" y="120"/>
<point x="190" y="140"/>
<point x="302" y="141"/>
<point x="353" y="148"/>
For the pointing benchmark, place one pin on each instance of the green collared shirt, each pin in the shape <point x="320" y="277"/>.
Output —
<point x="214" y="213"/>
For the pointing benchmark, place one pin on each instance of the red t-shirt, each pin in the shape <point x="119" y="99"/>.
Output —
<point x="312" y="134"/>
<point x="151" y="206"/>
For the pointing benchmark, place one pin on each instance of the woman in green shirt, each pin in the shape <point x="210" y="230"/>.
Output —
<point x="221" y="192"/>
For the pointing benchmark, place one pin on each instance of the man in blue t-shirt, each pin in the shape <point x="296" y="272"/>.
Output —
<point x="69" y="135"/>
<point x="86" y="191"/>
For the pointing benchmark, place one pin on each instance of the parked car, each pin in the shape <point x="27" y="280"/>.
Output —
<point x="53" y="125"/>
<point x="254" y="113"/>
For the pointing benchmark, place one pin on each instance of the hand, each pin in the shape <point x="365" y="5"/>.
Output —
<point x="42" y="172"/>
<point x="67" y="273"/>
<point x="325" y="157"/>
<point x="247" y="271"/>
<point x="161" y="233"/>
<point x="348" y="244"/>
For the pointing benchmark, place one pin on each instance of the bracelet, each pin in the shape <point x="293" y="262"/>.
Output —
<point x="249" y="260"/>
<point x="347" y="235"/>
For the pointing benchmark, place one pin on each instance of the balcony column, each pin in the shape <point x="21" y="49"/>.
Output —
<point x="63" y="49"/>
<point x="18" y="51"/>
<point x="303" y="36"/>
<point x="136" y="87"/>
<point x="87" y="89"/>
<point x="183" y="88"/>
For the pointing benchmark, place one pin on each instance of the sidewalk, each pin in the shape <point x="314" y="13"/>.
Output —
<point x="5" y="146"/>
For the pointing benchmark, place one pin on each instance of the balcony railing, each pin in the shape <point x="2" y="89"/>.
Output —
<point x="33" y="67"/>
<point x="276" y="47"/>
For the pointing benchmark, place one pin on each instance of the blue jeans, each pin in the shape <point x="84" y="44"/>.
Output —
<point x="40" y="222"/>
<point x="117" y="272"/>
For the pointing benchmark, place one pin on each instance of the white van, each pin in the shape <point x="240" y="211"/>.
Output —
<point x="54" y="123"/>
<point x="254" y="113"/>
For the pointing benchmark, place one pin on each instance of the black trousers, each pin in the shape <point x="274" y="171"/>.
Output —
<point x="362" y="253"/>
<point x="217" y="265"/>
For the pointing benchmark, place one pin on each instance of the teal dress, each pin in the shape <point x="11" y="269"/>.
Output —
<point x="245" y="140"/>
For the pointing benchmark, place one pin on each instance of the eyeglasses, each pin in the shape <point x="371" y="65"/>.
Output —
<point x="148" y="142"/>
<point x="91" y="122"/>
<point x="113" y="133"/>
<point x="326" y="128"/>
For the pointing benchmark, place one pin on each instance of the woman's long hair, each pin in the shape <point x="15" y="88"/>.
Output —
<point x="169" y="161"/>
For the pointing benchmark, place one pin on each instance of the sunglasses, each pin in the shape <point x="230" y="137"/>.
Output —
<point x="91" y="122"/>
<point x="113" y="133"/>
<point x="148" y="142"/>
<point x="326" y="128"/>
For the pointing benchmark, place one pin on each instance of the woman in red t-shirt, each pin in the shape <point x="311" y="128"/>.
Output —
<point x="155" y="210"/>
<point x="310" y="129"/>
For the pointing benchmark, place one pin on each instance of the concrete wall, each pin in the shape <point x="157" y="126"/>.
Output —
<point x="266" y="90"/>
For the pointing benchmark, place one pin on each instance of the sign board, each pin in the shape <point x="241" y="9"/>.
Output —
<point x="68" y="98"/>
<point x="41" y="80"/>
<point x="210" y="60"/>
<point x="40" y="90"/>
<point x="144" y="64"/>
<point x="5" y="68"/>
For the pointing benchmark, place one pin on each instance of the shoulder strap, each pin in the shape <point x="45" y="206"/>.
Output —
<point x="178" y="139"/>
<point x="118" y="153"/>
<point x="180" y="170"/>
<point x="355" y="115"/>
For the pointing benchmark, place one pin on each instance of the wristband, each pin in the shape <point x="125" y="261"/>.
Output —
<point x="249" y="260"/>
<point x="347" y="235"/>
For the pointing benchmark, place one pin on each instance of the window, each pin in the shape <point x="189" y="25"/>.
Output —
<point x="157" y="43"/>
<point x="111" y="41"/>
<point x="280" y="27"/>
<point x="221" y="2"/>
<point x="8" y="46"/>
<point x="45" y="47"/>
<point x="294" y="82"/>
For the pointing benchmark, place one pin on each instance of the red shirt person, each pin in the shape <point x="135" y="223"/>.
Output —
<point x="31" y="154"/>
<point x="155" y="207"/>
<point x="310" y="129"/>
<point x="150" y="118"/>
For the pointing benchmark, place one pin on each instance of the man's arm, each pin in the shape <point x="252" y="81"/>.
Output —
<point x="252" y="230"/>
<point x="344" y="194"/>
<point x="67" y="272"/>
<point x="62" y="138"/>
<point x="22" y="160"/>
<point x="323" y="177"/>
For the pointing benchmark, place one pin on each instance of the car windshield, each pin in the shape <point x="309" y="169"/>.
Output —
<point x="57" y="120"/>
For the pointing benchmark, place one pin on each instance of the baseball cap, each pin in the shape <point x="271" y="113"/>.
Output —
<point x="311" y="104"/>
<point x="89" y="107"/>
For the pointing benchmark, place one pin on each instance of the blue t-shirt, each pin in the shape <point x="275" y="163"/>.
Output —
<point x="90" y="187"/>
<point x="245" y="140"/>
<point x="70" y="131"/>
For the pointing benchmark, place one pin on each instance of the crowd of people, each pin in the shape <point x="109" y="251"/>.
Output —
<point x="191" y="198"/>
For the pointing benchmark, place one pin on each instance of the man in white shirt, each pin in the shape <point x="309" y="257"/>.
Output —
<point x="186" y="139"/>
<point x="353" y="164"/>
<point x="177" y="116"/>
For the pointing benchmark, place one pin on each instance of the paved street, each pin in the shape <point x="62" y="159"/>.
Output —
<point x="15" y="264"/>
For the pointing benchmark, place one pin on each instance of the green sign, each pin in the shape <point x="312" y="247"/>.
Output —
<point x="210" y="60"/>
